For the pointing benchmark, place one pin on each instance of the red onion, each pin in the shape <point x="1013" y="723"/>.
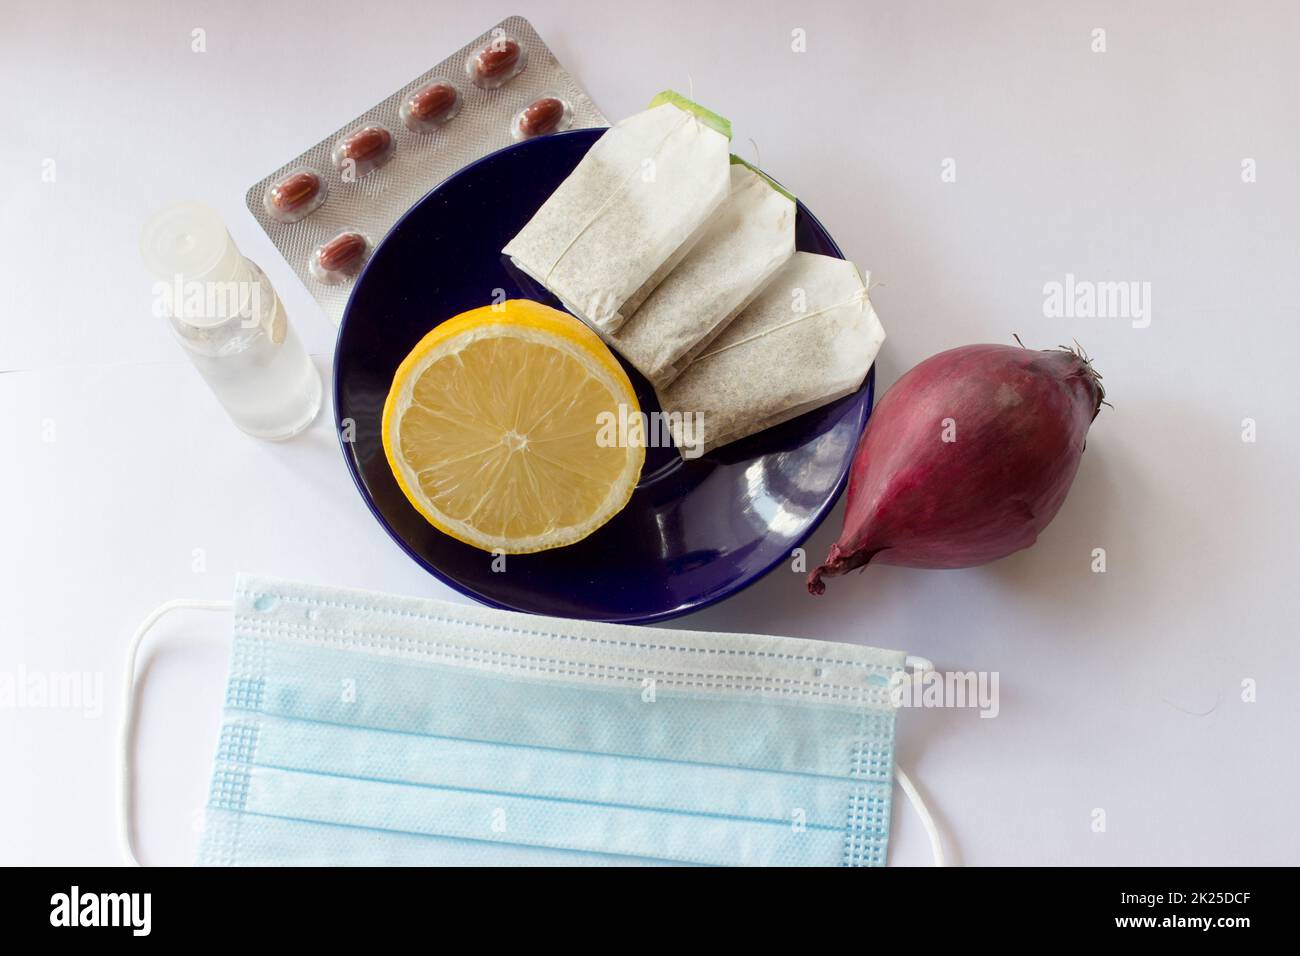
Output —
<point x="966" y="459"/>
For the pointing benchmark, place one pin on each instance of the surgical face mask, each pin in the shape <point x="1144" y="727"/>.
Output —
<point x="362" y="728"/>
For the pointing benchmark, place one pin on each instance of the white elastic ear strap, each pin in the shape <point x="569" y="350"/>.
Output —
<point x="920" y="665"/>
<point x="126" y="742"/>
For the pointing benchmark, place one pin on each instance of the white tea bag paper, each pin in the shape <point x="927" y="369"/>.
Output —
<point x="807" y="339"/>
<point x="743" y="245"/>
<point x="629" y="210"/>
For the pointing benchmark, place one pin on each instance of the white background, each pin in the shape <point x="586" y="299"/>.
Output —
<point x="1119" y="691"/>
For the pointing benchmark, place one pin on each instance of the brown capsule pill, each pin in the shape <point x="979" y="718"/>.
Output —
<point x="294" y="197"/>
<point x="342" y="256"/>
<point x="295" y="192"/>
<point x="367" y="144"/>
<point x="430" y="107"/>
<point x="433" y="103"/>
<point x="498" y="57"/>
<point x="366" y="149"/>
<point x="497" y="63"/>
<point x="540" y="117"/>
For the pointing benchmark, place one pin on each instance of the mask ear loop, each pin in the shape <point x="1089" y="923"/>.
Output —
<point x="920" y="665"/>
<point x="927" y="821"/>
<point x="126" y="740"/>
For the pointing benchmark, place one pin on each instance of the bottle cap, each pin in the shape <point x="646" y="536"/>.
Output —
<point x="188" y="240"/>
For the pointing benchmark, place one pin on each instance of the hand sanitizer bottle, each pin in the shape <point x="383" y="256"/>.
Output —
<point x="230" y="322"/>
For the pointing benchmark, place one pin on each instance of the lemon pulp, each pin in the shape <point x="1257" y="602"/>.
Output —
<point x="496" y="429"/>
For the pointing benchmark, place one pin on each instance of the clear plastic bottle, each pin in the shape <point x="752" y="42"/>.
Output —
<point x="230" y="322"/>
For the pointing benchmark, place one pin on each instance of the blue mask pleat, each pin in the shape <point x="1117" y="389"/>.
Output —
<point x="372" y="729"/>
<point x="236" y="838"/>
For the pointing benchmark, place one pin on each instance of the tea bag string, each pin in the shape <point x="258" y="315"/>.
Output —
<point x="685" y="118"/>
<point x="856" y="299"/>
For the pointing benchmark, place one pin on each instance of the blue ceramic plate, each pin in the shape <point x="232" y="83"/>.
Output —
<point x="693" y="533"/>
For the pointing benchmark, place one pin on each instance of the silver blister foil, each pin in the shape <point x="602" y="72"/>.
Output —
<point x="371" y="204"/>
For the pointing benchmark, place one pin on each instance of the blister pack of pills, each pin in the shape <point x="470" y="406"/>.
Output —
<point x="327" y="208"/>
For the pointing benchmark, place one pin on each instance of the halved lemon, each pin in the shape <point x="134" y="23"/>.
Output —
<point x="497" y="429"/>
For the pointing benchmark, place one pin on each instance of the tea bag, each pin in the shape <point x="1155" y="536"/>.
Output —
<point x="743" y="245"/>
<point x="629" y="211"/>
<point x="807" y="339"/>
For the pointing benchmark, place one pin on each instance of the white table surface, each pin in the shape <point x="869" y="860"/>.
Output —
<point x="1120" y="691"/>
